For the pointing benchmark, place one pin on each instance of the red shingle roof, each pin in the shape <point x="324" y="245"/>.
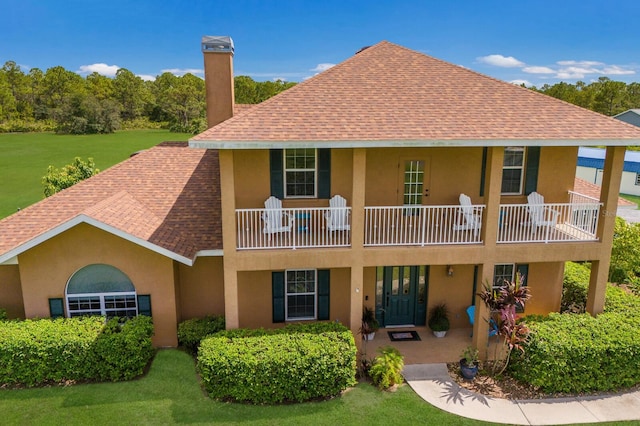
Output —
<point x="168" y="196"/>
<point x="390" y="93"/>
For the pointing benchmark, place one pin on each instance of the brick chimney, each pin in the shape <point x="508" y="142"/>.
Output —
<point x="218" y="78"/>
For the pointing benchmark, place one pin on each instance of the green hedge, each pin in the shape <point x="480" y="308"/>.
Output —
<point x="3" y="314"/>
<point x="293" y="364"/>
<point x="192" y="331"/>
<point x="36" y="352"/>
<point x="578" y="353"/>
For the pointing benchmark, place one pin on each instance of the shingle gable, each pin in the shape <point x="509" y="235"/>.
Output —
<point x="168" y="195"/>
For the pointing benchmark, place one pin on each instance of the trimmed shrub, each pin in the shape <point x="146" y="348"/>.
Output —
<point x="122" y="351"/>
<point x="36" y="352"/>
<point x="192" y="331"/>
<point x="3" y="314"/>
<point x="293" y="364"/>
<point x="579" y="353"/>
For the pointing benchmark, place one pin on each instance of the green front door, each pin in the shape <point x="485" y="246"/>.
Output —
<point x="403" y="295"/>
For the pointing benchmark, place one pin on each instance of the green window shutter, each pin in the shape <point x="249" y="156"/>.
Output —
<point x="483" y="171"/>
<point x="531" y="171"/>
<point x="56" y="307"/>
<point x="277" y="288"/>
<point x="523" y="270"/>
<point x="324" y="173"/>
<point x="144" y="304"/>
<point x="277" y="172"/>
<point x="323" y="294"/>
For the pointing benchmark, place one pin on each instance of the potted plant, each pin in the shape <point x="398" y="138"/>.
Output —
<point x="469" y="363"/>
<point x="369" y="324"/>
<point x="439" y="320"/>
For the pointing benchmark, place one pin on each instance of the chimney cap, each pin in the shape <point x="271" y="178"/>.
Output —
<point x="222" y="44"/>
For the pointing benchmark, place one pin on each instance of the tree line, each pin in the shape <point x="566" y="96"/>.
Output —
<point x="605" y="96"/>
<point x="66" y="102"/>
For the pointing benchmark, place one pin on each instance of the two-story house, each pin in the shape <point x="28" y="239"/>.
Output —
<point x="433" y="165"/>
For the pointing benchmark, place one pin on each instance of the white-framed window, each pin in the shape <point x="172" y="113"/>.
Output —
<point x="301" y="294"/>
<point x="100" y="289"/>
<point x="300" y="172"/>
<point x="637" y="179"/>
<point x="503" y="272"/>
<point x="513" y="170"/>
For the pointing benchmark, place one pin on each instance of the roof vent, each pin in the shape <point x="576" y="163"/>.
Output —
<point x="222" y="44"/>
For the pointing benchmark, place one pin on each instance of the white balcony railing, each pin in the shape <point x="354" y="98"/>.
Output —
<point x="556" y="222"/>
<point x="299" y="228"/>
<point x="420" y="226"/>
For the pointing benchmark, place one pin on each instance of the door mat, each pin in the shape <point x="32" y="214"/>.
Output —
<point x="403" y="336"/>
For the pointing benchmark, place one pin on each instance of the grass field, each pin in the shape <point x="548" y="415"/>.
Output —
<point x="170" y="394"/>
<point x="25" y="157"/>
<point x="633" y="198"/>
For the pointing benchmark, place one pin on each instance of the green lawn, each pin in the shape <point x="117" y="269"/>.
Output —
<point x="170" y="394"/>
<point x="26" y="156"/>
<point x="633" y="198"/>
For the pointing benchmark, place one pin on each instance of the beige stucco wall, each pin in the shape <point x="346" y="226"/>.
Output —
<point x="253" y="181"/>
<point x="455" y="291"/>
<point x="202" y="288"/>
<point x="11" y="291"/>
<point x="255" y="298"/>
<point x="545" y="284"/>
<point x="45" y="270"/>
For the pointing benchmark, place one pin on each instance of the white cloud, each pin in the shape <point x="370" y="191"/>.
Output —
<point x="103" y="69"/>
<point x="521" y="82"/>
<point x="183" y="71"/>
<point x="579" y="63"/>
<point x="323" y="67"/>
<point x="500" y="61"/>
<point x="616" y="70"/>
<point x="538" y="70"/>
<point x="147" y="77"/>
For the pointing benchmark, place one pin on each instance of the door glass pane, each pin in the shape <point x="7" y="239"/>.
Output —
<point x="395" y="282"/>
<point x="406" y="281"/>
<point x="379" y="284"/>
<point x="413" y="182"/>
<point x="422" y="288"/>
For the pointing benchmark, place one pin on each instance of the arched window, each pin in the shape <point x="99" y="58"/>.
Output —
<point x="101" y="290"/>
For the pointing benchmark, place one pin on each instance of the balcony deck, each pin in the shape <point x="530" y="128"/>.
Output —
<point x="387" y="226"/>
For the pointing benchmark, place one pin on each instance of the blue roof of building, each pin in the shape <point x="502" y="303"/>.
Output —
<point x="594" y="158"/>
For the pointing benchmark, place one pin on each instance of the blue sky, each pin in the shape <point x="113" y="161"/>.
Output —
<point x="535" y="42"/>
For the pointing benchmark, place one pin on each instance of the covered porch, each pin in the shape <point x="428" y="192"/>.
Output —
<point x="429" y="349"/>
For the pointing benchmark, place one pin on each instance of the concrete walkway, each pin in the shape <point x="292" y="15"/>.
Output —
<point x="433" y="383"/>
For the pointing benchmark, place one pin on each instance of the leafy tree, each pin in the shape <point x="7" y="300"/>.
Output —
<point x="610" y="96"/>
<point x="625" y="252"/>
<point x="58" y="179"/>
<point x="132" y="94"/>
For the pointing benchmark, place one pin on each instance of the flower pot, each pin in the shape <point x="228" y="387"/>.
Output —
<point x="369" y="336"/>
<point x="468" y="371"/>
<point x="440" y="333"/>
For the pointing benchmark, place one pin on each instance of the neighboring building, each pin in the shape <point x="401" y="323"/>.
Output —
<point x="591" y="168"/>
<point x="183" y="231"/>
<point x="631" y="116"/>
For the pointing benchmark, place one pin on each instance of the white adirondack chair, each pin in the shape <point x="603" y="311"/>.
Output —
<point x="275" y="220"/>
<point x="338" y="214"/>
<point x="539" y="214"/>
<point x="468" y="218"/>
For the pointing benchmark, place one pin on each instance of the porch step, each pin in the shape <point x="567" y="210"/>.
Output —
<point x="426" y="372"/>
